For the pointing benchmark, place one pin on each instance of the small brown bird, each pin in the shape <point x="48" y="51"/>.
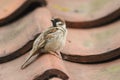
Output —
<point x="51" y="40"/>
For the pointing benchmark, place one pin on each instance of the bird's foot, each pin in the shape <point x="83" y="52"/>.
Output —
<point x="57" y="54"/>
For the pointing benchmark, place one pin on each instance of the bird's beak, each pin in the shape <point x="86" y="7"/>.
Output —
<point x="53" y="23"/>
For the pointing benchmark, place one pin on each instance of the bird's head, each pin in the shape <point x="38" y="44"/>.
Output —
<point x="57" y="22"/>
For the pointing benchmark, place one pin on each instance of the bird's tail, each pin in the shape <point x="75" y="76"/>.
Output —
<point x="33" y="55"/>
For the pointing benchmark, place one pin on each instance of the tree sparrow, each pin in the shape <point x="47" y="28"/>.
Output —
<point x="51" y="40"/>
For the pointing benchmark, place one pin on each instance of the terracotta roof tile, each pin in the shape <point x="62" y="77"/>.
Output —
<point x="20" y="35"/>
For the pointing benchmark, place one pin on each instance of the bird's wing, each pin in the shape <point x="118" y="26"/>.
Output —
<point x="39" y="42"/>
<point x="48" y="34"/>
<point x="41" y="39"/>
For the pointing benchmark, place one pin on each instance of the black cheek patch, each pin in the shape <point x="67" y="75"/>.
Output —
<point x="54" y="23"/>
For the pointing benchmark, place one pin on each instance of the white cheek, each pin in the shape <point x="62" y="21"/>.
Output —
<point x="64" y="26"/>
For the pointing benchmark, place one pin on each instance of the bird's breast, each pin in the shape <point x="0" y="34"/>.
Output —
<point x="55" y="44"/>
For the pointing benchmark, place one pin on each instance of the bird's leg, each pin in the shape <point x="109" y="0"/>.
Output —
<point x="59" y="54"/>
<point x="56" y="53"/>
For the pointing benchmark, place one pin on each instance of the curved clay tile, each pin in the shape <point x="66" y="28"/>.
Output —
<point x="107" y="71"/>
<point x="45" y="67"/>
<point x="12" y="9"/>
<point x="85" y="14"/>
<point x="13" y="39"/>
<point x="93" y="45"/>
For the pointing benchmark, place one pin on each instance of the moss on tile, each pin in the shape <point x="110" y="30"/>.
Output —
<point x="61" y="8"/>
<point x="88" y="43"/>
<point x="111" y="72"/>
<point x="98" y="4"/>
<point x="105" y="34"/>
